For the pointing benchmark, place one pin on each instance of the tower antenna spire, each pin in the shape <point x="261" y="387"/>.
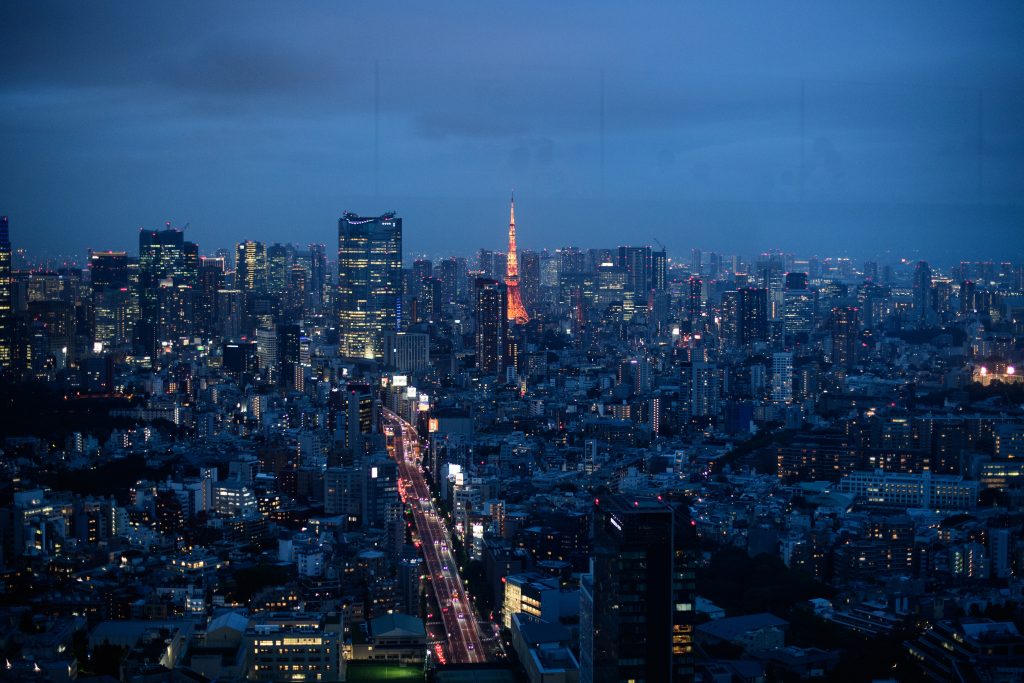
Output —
<point x="516" y="310"/>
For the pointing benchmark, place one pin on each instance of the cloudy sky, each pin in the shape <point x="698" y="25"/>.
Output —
<point x="859" y="128"/>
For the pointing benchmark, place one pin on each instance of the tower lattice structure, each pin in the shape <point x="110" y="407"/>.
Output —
<point x="516" y="310"/>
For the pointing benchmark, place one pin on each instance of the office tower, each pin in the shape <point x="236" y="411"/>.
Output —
<point x="380" y="501"/>
<point x="782" y="376"/>
<point x="796" y="280"/>
<point x="231" y="314"/>
<point x="636" y="262"/>
<point x="608" y="287"/>
<point x="429" y="303"/>
<point x="694" y="303"/>
<point x="797" y="307"/>
<point x="636" y="604"/>
<point x="251" y="266"/>
<point x="491" y="326"/>
<point x="369" y="299"/>
<point x="278" y="267"/>
<point x="529" y="279"/>
<point x="317" y="275"/>
<point x="968" y="292"/>
<point x="350" y="412"/>
<point x="296" y="297"/>
<point x="704" y="389"/>
<point x="111" y="299"/>
<point x="753" y="315"/>
<point x="190" y="272"/>
<point x="421" y="270"/>
<point x="516" y="310"/>
<point x="108" y="269"/>
<point x="292" y="346"/>
<point x="448" y="274"/>
<point x="729" y="320"/>
<point x="695" y="261"/>
<point x="871" y="271"/>
<point x="922" y="292"/>
<point x="714" y="265"/>
<point x="659" y="271"/>
<point x="845" y="329"/>
<point x="211" y="281"/>
<point x="6" y="302"/>
<point x="162" y="265"/>
<point x="407" y="351"/>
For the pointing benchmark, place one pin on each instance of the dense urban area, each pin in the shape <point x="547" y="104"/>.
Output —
<point x="281" y="462"/>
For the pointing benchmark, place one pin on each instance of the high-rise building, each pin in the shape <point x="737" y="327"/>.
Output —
<point x="694" y="303"/>
<point x="112" y="324"/>
<point x="162" y="266"/>
<point x="845" y="328"/>
<point x="278" y="266"/>
<point x="704" y="389"/>
<point x="6" y="303"/>
<point x="753" y="315"/>
<point x="292" y="345"/>
<point x="659" y="271"/>
<point x="782" y="376"/>
<point x="529" y="279"/>
<point x="636" y="604"/>
<point x="636" y="262"/>
<point x="491" y="326"/>
<point x="251" y="266"/>
<point x="968" y="292"/>
<point x="369" y="299"/>
<point x="798" y="306"/>
<point x="922" y="292"/>
<point x="317" y="275"/>
<point x="211" y="281"/>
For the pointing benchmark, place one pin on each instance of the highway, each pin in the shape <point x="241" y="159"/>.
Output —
<point x="464" y="644"/>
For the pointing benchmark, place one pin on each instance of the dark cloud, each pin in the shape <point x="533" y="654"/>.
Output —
<point x="264" y="120"/>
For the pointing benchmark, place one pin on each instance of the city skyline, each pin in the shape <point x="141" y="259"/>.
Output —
<point x="293" y="390"/>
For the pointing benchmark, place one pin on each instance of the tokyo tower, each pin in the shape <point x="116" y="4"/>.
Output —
<point x="516" y="310"/>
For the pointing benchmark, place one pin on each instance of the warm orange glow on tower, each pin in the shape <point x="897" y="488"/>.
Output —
<point x="516" y="310"/>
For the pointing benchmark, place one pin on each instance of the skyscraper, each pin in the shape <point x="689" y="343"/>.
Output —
<point x="162" y="267"/>
<point x="278" y="265"/>
<point x="111" y="299"/>
<point x="659" y="271"/>
<point x="753" y="315"/>
<point x="845" y="335"/>
<point x="291" y="345"/>
<point x="922" y="292"/>
<point x="637" y="601"/>
<point x="636" y="262"/>
<point x="251" y="266"/>
<point x="516" y="310"/>
<point x="491" y="326"/>
<point x="369" y="297"/>
<point x="6" y="307"/>
<point x="529" y="279"/>
<point x="694" y="303"/>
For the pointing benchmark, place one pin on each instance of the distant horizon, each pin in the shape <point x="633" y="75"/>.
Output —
<point x="944" y="247"/>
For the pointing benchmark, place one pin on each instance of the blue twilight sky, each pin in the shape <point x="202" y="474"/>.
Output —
<point x="836" y="128"/>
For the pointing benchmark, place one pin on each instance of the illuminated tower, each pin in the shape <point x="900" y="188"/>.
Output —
<point x="516" y="310"/>
<point x="369" y="294"/>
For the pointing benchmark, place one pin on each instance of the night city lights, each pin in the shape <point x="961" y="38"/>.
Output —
<point x="533" y="343"/>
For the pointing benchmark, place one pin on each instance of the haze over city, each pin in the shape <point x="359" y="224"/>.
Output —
<point x="807" y="126"/>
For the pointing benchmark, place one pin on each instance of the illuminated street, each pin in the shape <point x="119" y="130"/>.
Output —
<point x="464" y="644"/>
